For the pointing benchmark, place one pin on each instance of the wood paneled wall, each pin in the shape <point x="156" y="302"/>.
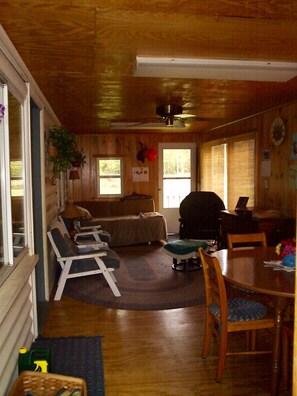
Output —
<point x="274" y="192"/>
<point x="125" y="145"/>
<point x="277" y="191"/>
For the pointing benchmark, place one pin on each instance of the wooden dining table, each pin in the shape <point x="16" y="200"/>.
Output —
<point x="246" y="268"/>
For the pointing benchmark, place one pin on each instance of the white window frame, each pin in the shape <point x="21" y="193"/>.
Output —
<point x="172" y="214"/>
<point x="98" y="177"/>
<point x="13" y="83"/>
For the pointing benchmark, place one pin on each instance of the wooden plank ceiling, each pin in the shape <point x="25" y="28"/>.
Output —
<point x="82" y="53"/>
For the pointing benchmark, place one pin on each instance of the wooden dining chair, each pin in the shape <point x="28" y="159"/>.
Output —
<point x="241" y="241"/>
<point x="246" y="240"/>
<point x="223" y="316"/>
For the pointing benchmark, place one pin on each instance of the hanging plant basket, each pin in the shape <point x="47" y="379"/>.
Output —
<point x="52" y="151"/>
<point x="63" y="150"/>
<point x="78" y="159"/>
<point x="75" y="164"/>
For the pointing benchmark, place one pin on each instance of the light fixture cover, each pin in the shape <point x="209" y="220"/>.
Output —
<point x="218" y="69"/>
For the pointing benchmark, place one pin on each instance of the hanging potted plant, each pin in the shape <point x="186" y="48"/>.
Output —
<point x="64" y="145"/>
<point x="78" y="159"/>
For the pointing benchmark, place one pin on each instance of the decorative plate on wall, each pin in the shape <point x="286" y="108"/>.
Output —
<point x="278" y="131"/>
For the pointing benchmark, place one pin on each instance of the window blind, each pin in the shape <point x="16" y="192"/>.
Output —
<point x="228" y="168"/>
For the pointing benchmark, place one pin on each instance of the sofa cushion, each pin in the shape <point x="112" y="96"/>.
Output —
<point x="117" y="207"/>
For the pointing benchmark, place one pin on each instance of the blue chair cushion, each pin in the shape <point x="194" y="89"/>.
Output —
<point x="184" y="246"/>
<point x="104" y="236"/>
<point x="111" y="260"/>
<point x="241" y="309"/>
<point x="64" y="244"/>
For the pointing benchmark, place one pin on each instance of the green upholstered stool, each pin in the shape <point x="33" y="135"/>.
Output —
<point x="185" y="250"/>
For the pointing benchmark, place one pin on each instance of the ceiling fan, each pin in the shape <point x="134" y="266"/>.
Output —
<point x="170" y="115"/>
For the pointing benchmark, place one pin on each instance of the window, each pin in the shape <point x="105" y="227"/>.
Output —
<point x="16" y="174"/>
<point x="176" y="176"/>
<point x="109" y="177"/>
<point x="13" y="230"/>
<point x="228" y="169"/>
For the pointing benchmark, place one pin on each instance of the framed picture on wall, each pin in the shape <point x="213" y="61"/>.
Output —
<point x="140" y="174"/>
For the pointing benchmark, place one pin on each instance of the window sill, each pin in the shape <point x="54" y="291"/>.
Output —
<point x="17" y="276"/>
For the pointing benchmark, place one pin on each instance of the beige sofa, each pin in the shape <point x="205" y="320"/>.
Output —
<point x="129" y="221"/>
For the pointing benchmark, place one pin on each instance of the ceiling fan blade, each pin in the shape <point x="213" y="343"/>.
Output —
<point x="158" y="123"/>
<point x="171" y="112"/>
<point x="137" y="124"/>
<point x="193" y="117"/>
<point x="171" y="116"/>
<point x="185" y="116"/>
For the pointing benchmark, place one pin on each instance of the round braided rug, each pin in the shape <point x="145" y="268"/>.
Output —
<point x="145" y="279"/>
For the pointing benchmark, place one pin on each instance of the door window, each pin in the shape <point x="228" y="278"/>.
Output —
<point x="177" y="178"/>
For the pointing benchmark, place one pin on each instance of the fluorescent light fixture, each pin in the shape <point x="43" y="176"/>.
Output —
<point x="217" y="69"/>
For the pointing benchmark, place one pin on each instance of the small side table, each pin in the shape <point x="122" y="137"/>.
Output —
<point x="185" y="250"/>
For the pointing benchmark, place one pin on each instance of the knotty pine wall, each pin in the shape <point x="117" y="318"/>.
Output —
<point x="279" y="190"/>
<point x="126" y="145"/>
<point x="274" y="192"/>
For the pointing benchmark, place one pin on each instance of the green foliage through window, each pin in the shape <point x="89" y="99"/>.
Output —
<point x="177" y="163"/>
<point x="109" y="177"/>
<point x="16" y="174"/>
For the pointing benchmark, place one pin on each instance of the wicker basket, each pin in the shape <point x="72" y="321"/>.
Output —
<point x="44" y="384"/>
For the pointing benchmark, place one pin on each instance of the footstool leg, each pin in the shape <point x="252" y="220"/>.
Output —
<point x="180" y="266"/>
<point x="174" y="263"/>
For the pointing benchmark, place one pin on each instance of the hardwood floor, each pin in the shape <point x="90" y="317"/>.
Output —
<point x="159" y="352"/>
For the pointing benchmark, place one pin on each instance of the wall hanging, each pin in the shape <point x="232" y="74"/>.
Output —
<point x="144" y="153"/>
